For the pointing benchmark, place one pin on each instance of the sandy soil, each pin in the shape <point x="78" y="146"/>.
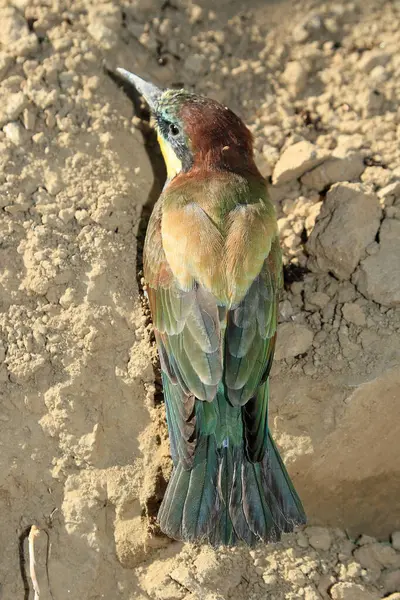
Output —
<point x="83" y="443"/>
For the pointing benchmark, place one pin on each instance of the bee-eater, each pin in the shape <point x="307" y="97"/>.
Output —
<point x="213" y="270"/>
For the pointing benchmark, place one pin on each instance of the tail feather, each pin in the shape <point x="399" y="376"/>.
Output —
<point x="171" y="509"/>
<point x="276" y="478"/>
<point x="225" y="498"/>
<point x="202" y="500"/>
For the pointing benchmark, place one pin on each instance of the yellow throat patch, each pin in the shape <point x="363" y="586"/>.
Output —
<point x="173" y="164"/>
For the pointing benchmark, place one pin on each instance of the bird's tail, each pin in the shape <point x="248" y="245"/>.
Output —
<point x="226" y="498"/>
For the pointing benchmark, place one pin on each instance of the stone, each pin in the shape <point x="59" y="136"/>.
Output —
<point x="334" y="170"/>
<point x="347" y="224"/>
<point x="310" y="593"/>
<point x="302" y="540"/>
<point x="13" y="26"/>
<point x="353" y="313"/>
<point x="295" y="76"/>
<point x="395" y="596"/>
<point x="105" y="20"/>
<point x="319" y="538"/>
<point x="351" y="591"/>
<point x="378" y="276"/>
<point x="293" y="339"/>
<point x="391" y="581"/>
<point x="319" y="299"/>
<point x="372" y="59"/>
<point x="195" y="63"/>
<point x="5" y="63"/>
<point x="367" y="558"/>
<point x="13" y="106"/>
<point x="395" y="538"/>
<point x="385" y="555"/>
<point x="297" y="160"/>
<point x="392" y="189"/>
<point x="14" y="133"/>
<point x="364" y="540"/>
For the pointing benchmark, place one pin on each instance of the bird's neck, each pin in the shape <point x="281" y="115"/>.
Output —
<point x="225" y="158"/>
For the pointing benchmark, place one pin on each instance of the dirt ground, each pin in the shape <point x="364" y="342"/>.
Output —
<point x="84" y="453"/>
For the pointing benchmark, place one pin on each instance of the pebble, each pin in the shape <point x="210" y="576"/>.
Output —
<point x="334" y="170"/>
<point x="372" y="59"/>
<point x="351" y="591"/>
<point x="296" y="160"/>
<point x="14" y="105"/>
<point x="14" y="133"/>
<point x="395" y="539"/>
<point x="319" y="299"/>
<point x="292" y="339"/>
<point x="353" y="313"/>
<point x="295" y="76"/>
<point x="195" y="63"/>
<point x="302" y="540"/>
<point x="378" y="276"/>
<point x="347" y="224"/>
<point x="310" y="593"/>
<point x="391" y="581"/>
<point x="319" y="538"/>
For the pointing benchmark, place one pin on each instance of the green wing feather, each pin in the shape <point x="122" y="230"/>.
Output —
<point x="249" y="350"/>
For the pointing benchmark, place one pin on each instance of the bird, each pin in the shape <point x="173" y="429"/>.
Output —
<point x="213" y="275"/>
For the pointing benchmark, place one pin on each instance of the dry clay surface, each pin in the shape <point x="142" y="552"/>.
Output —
<point x="83" y="444"/>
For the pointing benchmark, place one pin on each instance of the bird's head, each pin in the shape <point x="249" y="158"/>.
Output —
<point x="195" y="132"/>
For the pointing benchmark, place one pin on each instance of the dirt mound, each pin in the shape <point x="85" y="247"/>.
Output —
<point x="84" y="452"/>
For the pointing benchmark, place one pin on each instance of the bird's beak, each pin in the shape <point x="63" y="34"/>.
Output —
<point x="151" y="93"/>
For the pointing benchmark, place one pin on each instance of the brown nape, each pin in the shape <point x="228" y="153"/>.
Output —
<point x="220" y="140"/>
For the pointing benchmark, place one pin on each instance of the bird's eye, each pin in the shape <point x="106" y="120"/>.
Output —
<point x="174" y="129"/>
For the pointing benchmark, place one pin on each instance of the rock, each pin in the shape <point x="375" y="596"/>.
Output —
<point x="396" y="540"/>
<point x="13" y="106"/>
<point x="393" y="597"/>
<point x="364" y="540"/>
<point x="351" y="591"/>
<point x="369" y="557"/>
<point x="378" y="276"/>
<point x="105" y="20"/>
<point x="13" y="26"/>
<point x="366" y="558"/>
<point x="385" y="555"/>
<point x="14" y="133"/>
<point x="195" y="63"/>
<point x="297" y="160"/>
<point x="195" y="13"/>
<point x="302" y="540"/>
<point x="5" y="63"/>
<point x="319" y="299"/>
<point x="319" y="538"/>
<point x="372" y="59"/>
<point x="347" y="224"/>
<point x="293" y="339"/>
<point x="353" y="313"/>
<point x="295" y="76"/>
<point x="390" y="190"/>
<point x="310" y="593"/>
<point x="334" y="170"/>
<point x="391" y="581"/>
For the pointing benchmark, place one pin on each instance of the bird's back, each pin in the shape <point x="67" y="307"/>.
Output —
<point x="213" y="269"/>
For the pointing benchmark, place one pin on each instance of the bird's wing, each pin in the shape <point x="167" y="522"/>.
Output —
<point x="249" y="349"/>
<point x="187" y="330"/>
<point x="194" y="275"/>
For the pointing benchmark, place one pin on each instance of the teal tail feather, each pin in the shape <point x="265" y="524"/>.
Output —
<point x="226" y="499"/>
